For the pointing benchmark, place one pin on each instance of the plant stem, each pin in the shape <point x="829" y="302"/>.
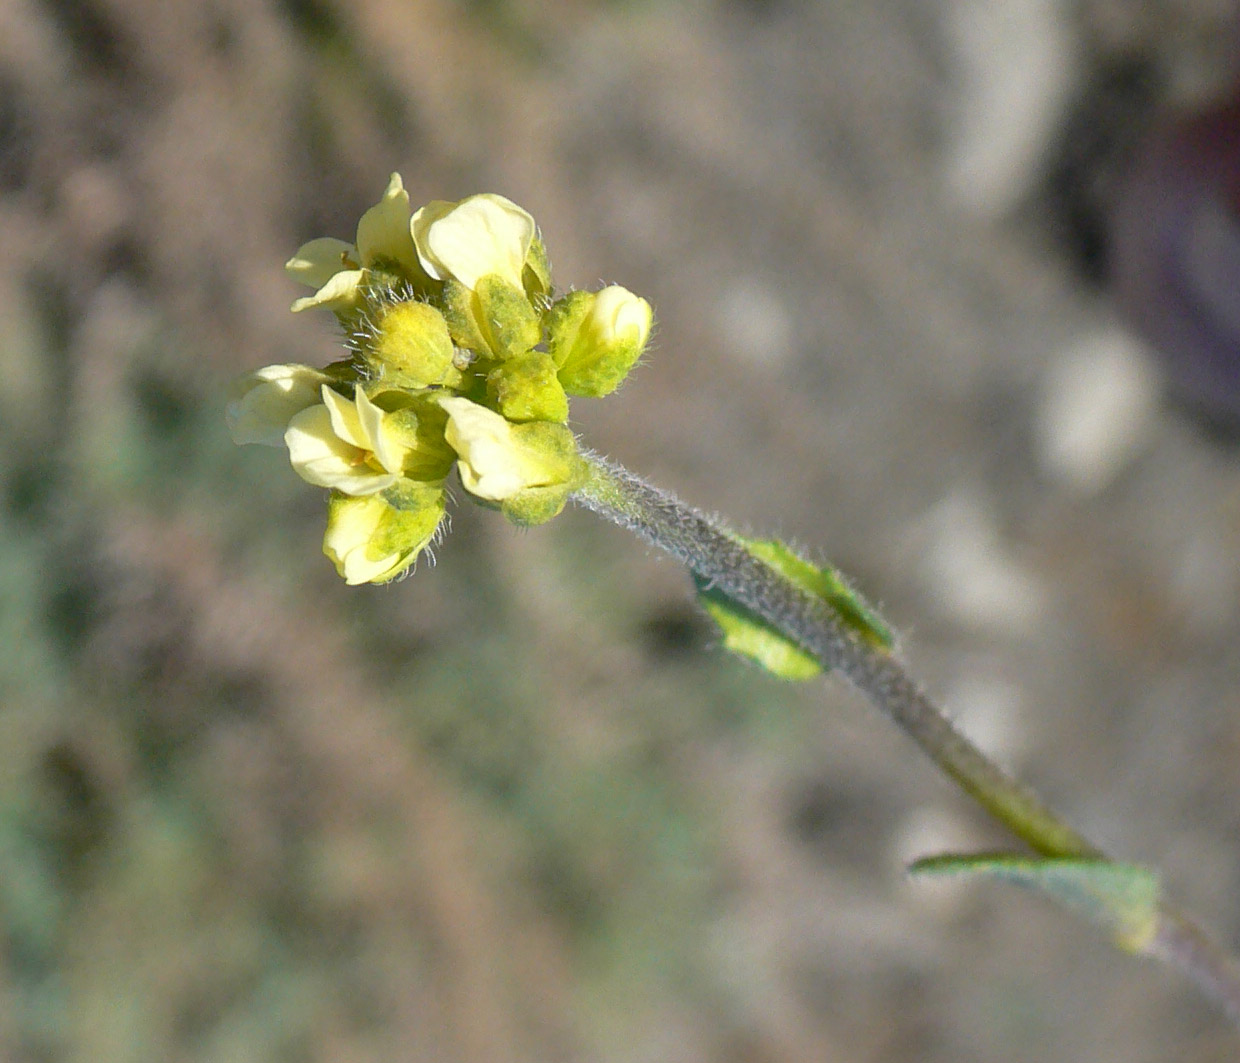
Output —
<point x="718" y="556"/>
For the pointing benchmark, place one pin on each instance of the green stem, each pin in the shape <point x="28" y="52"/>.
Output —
<point x="718" y="556"/>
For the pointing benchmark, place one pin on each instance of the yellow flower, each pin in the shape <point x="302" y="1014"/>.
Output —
<point x="620" y="317"/>
<point x="478" y="236"/>
<point x="339" y="269"/>
<point x="266" y="400"/>
<point x="345" y="445"/>
<point x="369" y="540"/>
<point x="501" y="462"/>
<point x="595" y="338"/>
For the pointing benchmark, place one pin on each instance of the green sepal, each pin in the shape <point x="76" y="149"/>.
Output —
<point x="415" y="512"/>
<point x="564" y="470"/>
<point x="536" y="505"/>
<point x="459" y="311"/>
<point x="526" y="388"/>
<point x="536" y="276"/>
<point x="511" y="325"/>
<point x="563" y="320"/>
<point x="494" y="319"/>
<point x="1122" y="899"/>
<point x="419" y="423"/>
<point x="746" y="633"/>
<point x="344" y="372"/>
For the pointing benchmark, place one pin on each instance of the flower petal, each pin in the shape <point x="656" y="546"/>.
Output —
<point x="489" y="464"/>
<point x="319" y="456"/>
<point x="345" y="419"/>
<point x="266" y="400"/>
<point x="467" y="240"/>
<point x="340" y="293"/>
<point x="387" y="450"/>
<point x="319" y="260"/>
<point x="383" y="233"/>
<point x="351" y="523"/>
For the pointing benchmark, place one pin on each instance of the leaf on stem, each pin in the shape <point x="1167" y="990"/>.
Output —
<point x="1123" y="899"/>
<point x="746" y="633"/>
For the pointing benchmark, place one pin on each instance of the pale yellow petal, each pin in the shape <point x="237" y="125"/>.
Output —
<point x="357" y="568"/>
<point x="352" y="522"/>
<point x="266" y="400"/>
<point x="488" y="464"/>
<point x="383" y="233"/>
<point x="389" y="453"/>
<point x="480" y="235"/>
<point x="345" y="420"/>
<point x="340" y="293"/>
<point x="321" y="457"/>
<point x="319" y="260"/>
<point x="620" y="315"/>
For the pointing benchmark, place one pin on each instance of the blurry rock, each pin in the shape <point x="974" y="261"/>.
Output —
<point x="1019" y="66"/>
<point x="968" y="573"/>
<point x="1096" y="410"/>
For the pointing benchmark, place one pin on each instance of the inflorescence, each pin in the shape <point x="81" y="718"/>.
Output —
<point x="459" y="354"/>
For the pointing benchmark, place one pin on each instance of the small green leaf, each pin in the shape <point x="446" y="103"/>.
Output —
<point x="746" y="633"/>
<point x="829" y="584"/>
<point x="1120" y="898"/>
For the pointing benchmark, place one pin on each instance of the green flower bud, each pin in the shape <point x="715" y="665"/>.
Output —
<point x="494" y="319"/>
<point x="376" y="538"/>
<point x="408" y="345"/>
<point x="597" y="337"/>
<point x="528" y="469"/>
<point x="525" y="388"/>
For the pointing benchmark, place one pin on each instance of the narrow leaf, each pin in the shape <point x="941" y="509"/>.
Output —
<point x="1123" y="899"/>
<point x="746" y="633"/>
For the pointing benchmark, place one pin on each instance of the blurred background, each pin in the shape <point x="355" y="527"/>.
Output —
<point x="943" y="295"/>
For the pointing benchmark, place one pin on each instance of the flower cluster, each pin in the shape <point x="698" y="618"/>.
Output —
<point x="459" y="354"/>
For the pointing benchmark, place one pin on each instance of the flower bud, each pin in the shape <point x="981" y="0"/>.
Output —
<point x="595" y="338"/>
<point x="529" y="469"/>
<point x="408" y="345"/>
<point x="526" y="389"/>
<point x="376" y="538"/>
<point x="266" y="400"/>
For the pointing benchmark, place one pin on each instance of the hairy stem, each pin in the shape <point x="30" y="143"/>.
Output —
<point x="718" y="556"/>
